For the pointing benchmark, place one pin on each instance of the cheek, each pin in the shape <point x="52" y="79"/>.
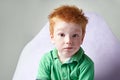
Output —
<point x="78" y="43"/>
<point x="58" y="42"/>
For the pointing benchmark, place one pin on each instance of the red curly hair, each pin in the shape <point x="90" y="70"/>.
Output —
<point x="70" y="14"/>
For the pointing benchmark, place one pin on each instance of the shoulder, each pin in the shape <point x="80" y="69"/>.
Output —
<point x="47" y="57"/>
<point x="46" y="61"/>
<point x="86" y="61"/>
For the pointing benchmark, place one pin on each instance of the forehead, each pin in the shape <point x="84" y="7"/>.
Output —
<point x="62" y="25"/>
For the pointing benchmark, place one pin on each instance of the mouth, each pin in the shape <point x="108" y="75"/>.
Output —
<point x="68" y="48"/>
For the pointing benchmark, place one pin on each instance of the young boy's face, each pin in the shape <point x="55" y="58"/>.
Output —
<point x="67" y="37"/>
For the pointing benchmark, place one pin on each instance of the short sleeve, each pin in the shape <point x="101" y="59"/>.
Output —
<point x="44" y="68"/>
<point x="87" y="72"/>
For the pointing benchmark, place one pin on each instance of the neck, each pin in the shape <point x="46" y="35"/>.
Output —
<point x="63" y="58"/>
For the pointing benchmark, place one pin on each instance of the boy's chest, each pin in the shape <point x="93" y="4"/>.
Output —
<point x="64" y="71"/>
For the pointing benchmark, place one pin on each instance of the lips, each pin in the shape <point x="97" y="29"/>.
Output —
<point x="68" y="48"/>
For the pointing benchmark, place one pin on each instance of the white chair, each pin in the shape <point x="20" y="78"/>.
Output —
<point x="99" y="43"/>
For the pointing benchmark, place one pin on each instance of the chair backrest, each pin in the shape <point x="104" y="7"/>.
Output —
<point x="99" y="43"/>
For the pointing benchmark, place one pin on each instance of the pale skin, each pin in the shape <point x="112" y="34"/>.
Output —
<point x="67" y="38"/>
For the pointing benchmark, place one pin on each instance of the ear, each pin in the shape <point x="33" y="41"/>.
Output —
<point x="82" y="39"/>
<point x="52" y="38"/>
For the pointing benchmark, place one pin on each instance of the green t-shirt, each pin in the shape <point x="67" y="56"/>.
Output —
<point x="79" y="67"/>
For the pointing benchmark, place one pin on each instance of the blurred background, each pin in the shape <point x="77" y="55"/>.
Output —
<point x="21" y="20"/>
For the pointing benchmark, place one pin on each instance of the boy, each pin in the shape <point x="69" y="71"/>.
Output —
<point x="67" y="61"/>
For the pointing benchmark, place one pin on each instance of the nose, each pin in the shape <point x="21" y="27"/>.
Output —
<point x="68" y="40"/>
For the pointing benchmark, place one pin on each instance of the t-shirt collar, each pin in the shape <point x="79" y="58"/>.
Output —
<point x="75" y="57"/>
<point x="55" y="53"/>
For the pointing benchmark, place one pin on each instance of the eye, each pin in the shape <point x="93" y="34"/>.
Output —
<point x="75" y="35"/>
<point x="61" y="34"/>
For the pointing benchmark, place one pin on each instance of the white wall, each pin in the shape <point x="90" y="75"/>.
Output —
<point x="21" y="20"/>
